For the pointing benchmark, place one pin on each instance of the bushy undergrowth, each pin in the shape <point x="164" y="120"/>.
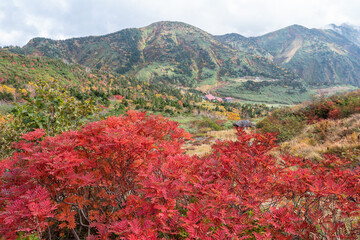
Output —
<point x="10" y="132"/>
<point x="51" y="108"/>
<point x="340" y="137"/>
<point x="333" y="107"/>
<point x="210" y="124"/>
<point x="284" y="122"/>
<point x="289" y="122"/>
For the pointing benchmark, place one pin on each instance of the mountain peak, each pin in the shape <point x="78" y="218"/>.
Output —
<point x="231" y="36"/>
<point x="173" y="27"/>
<point x="296" y="28"/>
<point x="293" y="30"/>
<point x="170" y="25"/>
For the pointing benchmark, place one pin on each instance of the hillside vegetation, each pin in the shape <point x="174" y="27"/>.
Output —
<point x="18" y="72"/>
<point x="340" y="137"/>
<point x="324" y="126"/>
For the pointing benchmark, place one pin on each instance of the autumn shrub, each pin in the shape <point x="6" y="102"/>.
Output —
<point x="127" y="178"/>
<point x="53" y="109"/>
<point x="10" y="131"/>
<point x="319" y="198"/>
<point x="333" y="107"/>
<point x="289" y="122"/>
<point x="209" y="123"/>
<point x="284" y="122"/>
<point x="340" y="137"/>
<point x="89" y="182"/>
<point x="7" y="93"/>
<point x="8" y="97"/>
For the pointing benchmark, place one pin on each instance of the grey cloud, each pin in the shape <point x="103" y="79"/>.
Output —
<point x="21" y="20"/>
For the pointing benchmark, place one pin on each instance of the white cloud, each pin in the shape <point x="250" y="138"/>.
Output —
<point x="10" y="37"/>
<point x="21" y="20"/>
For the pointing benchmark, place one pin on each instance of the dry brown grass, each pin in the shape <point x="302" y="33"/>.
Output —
<point x="203" y="147"/>
<point x="200" y="150"/>
<point x="332" y="90"/>
<point x="229" y="134"/>
<point x="204" y="88"/>
<point x="327" y="136"/>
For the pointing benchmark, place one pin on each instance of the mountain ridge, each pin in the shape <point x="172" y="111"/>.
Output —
<point x="349" y="31"/>
<point x="319" y="56"/>
<point x="181" y="54"/>
<point x="187" y="54"/>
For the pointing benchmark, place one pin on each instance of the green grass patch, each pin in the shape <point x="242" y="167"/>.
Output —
<point x="199" y="125"/>
<point x="269" y="94"/>
<point x="6" y="107"/>
<point x="186" y="122"/>
<point x="209" y="76"/>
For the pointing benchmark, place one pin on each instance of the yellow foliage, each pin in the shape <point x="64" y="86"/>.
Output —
<point x="3" y="118"/>
<point x="233" y="116"/>
<point x="172" y="98"/>
<point x="23" y="91"/>
<point x="4" y="88"/>
<point x="222" y="108"/>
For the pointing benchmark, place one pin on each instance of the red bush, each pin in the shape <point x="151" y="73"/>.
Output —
<point x="118" y="97"/>
<point x="334" y="114"/>
<point x="127" y="177"/>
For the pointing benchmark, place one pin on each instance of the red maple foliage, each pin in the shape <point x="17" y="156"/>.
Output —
<point x="128" y="178"/>
<point x="118" y="97"/>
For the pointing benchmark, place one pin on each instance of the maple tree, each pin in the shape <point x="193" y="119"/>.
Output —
<point x="128" y="178"/>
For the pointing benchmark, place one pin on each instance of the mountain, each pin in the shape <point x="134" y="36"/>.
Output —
<point x="319" y="56"/>
<point x="172" y="52"/>
<point x="348" y="31"/>
<point x="244" y="44"/>
<point x="181" y="54"/>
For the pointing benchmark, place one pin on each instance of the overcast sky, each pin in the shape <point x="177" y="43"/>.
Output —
<point x="21" y="20"/>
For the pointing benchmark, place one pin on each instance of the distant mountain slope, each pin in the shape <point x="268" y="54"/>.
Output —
<point x="348" y="31"/>
<point x="18" y="73"/>
<point x="172" y="52"/>
<point x="320" y="57"/>
<point x="244" y="44"/>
